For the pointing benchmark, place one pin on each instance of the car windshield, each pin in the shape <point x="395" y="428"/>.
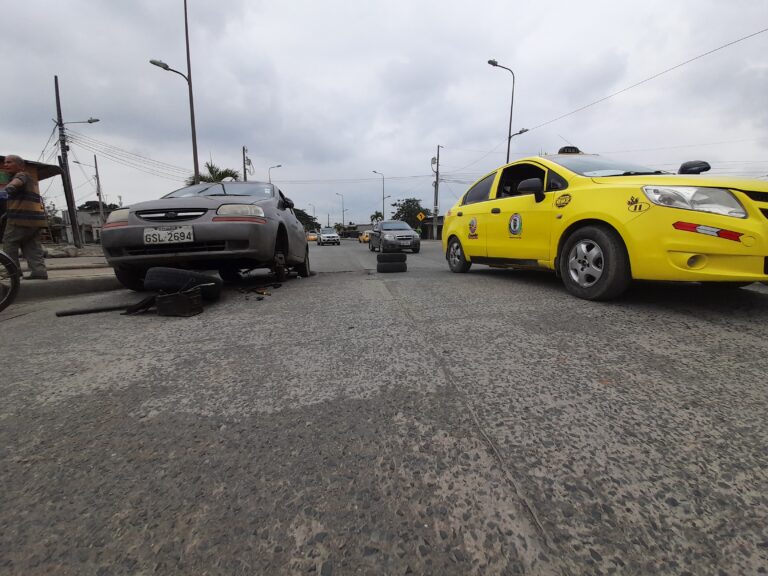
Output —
<point x="328" y="231"/>
<point x="258" y="189"/>
<point x="395" y="226"/>
<point x="595" y="166"/>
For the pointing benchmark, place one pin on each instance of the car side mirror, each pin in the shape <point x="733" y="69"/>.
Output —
<point x="533" y="186"/>
<point x="288" y="203"/>
<point x="694" y="167"/>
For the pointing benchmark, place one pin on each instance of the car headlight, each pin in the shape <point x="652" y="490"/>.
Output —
<point x="389" y="236"/>
<point x="120" y="215"/>
<point x="701" y="199"/>
<point x="240" y="210"/>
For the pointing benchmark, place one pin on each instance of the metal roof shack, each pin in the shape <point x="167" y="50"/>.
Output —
<point x="38" y="170"/>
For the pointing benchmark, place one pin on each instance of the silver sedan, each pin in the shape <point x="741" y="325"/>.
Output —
<point x="232" y="227"/>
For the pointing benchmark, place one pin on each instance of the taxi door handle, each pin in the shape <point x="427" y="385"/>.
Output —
<point x="496" y="211"/>
<point x="460" y="214"/>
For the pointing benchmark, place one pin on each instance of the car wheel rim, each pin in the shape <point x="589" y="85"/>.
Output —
<point x="586" y="263"/>
<point x="454" y="255"/>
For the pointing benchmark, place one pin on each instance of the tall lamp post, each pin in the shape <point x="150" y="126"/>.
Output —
<point x="495" y="64"/>
<point x="313" y="209"/>
<point x="64" y="164"/>
<point x="383" y="215"/>
<point x="269" y="172"/>
<point x="188" y="78"/>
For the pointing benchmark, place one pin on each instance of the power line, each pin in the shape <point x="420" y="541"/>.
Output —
<point x="39" y="158"/>
<point x="651" y="78"/>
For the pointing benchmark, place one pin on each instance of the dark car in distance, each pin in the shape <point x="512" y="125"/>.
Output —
<point x="393" y="236"/>
<point x="232" y="227"/>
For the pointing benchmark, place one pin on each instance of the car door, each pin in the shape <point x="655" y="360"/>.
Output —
<point x="519" y="223"/>
<point x="472" y="217"/>
<point x="296" y="237"/>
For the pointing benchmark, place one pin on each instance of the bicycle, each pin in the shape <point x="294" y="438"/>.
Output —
<point x="10" y="278"/>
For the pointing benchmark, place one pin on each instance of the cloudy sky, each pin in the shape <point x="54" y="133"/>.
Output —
<point x="333" y="90"/>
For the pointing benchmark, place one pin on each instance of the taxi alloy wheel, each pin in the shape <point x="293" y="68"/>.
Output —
<point x="456" y="261"/>
<point x="594" y="264"/>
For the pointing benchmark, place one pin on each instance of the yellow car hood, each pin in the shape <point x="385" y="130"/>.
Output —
<point x="685" y="180"/>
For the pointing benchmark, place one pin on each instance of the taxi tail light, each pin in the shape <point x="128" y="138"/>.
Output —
<point x="114" y="225"/>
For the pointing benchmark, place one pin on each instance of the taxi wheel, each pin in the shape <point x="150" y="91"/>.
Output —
<point x="455" y="256"/>
<point x="594" y="264"/>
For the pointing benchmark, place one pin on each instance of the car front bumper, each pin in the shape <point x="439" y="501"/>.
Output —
<point x="394" y="245"/>
<point x="213" y="241"/>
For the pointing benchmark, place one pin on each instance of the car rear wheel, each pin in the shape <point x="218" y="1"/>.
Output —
<point x="303" y="269"/>
<point x="416" y="250"/>
<point x="455" y="256"/>
<point x="132" y="279"/>
<point x="370" y="247"/>
<point x="594" y="264"/>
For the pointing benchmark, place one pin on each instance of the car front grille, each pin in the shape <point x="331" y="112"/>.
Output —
<point x="405" y="237"/>
<point x="151" y="250"/>
<point x="170" y="215"/>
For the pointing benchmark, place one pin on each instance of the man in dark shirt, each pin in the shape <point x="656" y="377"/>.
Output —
<point x="26" y="219"/>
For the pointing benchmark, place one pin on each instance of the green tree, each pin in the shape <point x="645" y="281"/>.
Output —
<point x="377" y="217"/>
<point x="93" y="206"/>
<point x="215" y="174"/>
<point x="407" y="210"/>
<point x="309" y="222"/>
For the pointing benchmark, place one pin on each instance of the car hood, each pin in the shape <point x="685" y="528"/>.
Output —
<point x="685" y="180"/>
<point x="203" y="202"/>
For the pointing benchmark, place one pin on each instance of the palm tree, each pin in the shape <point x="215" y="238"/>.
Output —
<point x="376" y="217"/>
<point x="215" y="174"/>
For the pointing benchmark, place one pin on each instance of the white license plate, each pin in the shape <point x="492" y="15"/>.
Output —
<point x="168" y="235"/>
<point x="405" y="243"/>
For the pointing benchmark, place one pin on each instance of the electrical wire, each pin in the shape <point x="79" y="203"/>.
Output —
<point x="42" y="152"/>
<point x="636" y="84"/>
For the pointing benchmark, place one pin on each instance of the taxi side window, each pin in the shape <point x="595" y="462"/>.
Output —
<point x="555" y="182"/>
<point x="512" y="176"/>
<point x="480" y="191"/>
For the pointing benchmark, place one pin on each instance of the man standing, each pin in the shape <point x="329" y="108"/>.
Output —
<point x="26" y="219"/>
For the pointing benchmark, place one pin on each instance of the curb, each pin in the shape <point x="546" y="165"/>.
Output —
<point x="58" y="287"/>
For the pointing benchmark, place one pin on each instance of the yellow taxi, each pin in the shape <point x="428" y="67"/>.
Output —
<point x="600" y="223"/>
<point x="311" y="236"/>
<point x="364" y="237"/>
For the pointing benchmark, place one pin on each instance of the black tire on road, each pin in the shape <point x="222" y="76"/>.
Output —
<point x="303" y="269"/>
<point x="173" y="280"/>
<point x="392" y="257"/>
<point x="455" y="256"/>
<point x="594" y="264"/>
<point x="391" y="267"/>
<point x="230" y="274"/>
<point x="132" y="279"/>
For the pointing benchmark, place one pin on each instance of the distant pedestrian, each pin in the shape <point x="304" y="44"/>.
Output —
<point x="26" y="218"/>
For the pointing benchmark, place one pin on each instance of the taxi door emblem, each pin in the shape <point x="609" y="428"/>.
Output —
<point x="634" y="205"/>
<point x="563" y="200"/>
<point x="473" y="228"/>
<point x="515" y="224"/>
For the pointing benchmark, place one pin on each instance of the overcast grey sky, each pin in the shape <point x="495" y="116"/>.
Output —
<point x="333" y="90"/>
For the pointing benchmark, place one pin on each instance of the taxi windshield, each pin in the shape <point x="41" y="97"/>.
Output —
<point x="597" y="166"/>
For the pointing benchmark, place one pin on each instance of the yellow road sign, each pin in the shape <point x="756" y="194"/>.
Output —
<point x="420" y="216"/>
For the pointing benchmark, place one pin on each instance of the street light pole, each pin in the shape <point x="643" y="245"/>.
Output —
<point x="269" y="172"/>
<point x="188" y="78"/>
<point x="313" y="209"/>
<point x="495" y="64"/>
<point x="64" y="164"/>
<point x="98" y="186"/>
<point x="437" y="185"/>
<point x="383" y="216"/>
<point x="343" y="225"/>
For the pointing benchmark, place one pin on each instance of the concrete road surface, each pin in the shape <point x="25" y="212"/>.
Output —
<point x="363" y="423"/>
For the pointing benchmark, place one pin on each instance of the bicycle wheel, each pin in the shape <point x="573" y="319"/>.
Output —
<point x="9" y="280"/>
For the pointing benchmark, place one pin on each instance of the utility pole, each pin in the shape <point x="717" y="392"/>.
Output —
<point x="437" y="185"/>
<point x="245" y="169"/>
<point x="98" y="191"/>
<point x="64" y="164"/>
